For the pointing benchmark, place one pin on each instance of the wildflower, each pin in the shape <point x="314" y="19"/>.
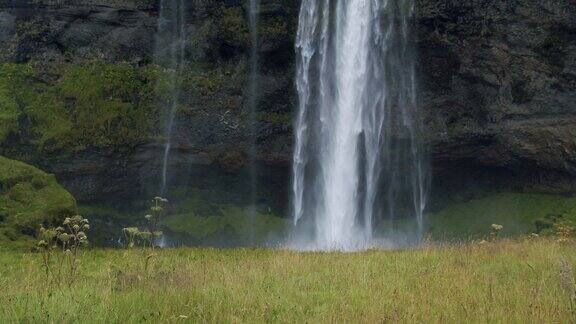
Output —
<point x="86" y="227"/>
<point x="67" y="221"/>
<point x="497" y="227"/>
<point x="130" y="230"/>
<point x="563" y="232"/>
<point x="76" y="228"/>
<point x="562" y="240"/>
<point x="64" y="237"/>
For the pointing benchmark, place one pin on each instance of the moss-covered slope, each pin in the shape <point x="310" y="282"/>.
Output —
<point x="519" y="213"/>
<point x="28" y="197"/>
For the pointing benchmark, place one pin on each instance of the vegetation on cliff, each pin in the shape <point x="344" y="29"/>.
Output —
<point x="29" y="198"/>
<point x="76" y="106"/>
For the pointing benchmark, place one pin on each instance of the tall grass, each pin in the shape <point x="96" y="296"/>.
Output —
<point x="508" y="282"/>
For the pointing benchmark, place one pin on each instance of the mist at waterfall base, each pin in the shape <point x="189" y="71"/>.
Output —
<point x="359" y="173"/>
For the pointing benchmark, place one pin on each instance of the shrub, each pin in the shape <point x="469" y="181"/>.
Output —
<point x="69" y="238"/>
<point x="133" y="236"/>
<point x="495" y="231"/>
<point x="154" y="218"/>
<point x="563" y="231"/>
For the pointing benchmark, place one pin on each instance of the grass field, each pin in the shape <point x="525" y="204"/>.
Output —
<point x="507" y="282"/>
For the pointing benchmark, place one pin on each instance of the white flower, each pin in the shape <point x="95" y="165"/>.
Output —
<point x="497" y="227"/>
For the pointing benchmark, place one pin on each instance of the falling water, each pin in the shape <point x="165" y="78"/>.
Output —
<point x="358" y="166"/>
<point x="253" y="17"/>
<point x="169" y="53"/>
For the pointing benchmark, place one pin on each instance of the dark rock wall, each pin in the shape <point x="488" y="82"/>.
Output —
<point x="497" y="82"/>
<point x="59" y="31"/>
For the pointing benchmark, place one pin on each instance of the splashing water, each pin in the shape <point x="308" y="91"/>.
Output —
<point x="358" y="166"/>
<point x="169" y="53"/>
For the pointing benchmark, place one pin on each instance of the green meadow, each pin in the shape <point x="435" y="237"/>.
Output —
<point x="508" y="281"/>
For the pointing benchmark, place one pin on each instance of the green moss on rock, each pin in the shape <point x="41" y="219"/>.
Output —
<point x="71" y="107"/>
<point x="109" y="105"/>
<point x="233" y="30"/>
<point x="29" y="197"/>
<point x="275" y="118"/>
<point x="13" y="94"/>
<point x="276" y="31"/>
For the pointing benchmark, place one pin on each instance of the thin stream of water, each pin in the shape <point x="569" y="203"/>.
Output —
<point x="169" y="53"/>
<point x="253" y="18"/>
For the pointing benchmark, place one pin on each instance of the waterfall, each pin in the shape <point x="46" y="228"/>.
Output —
<point x="252" y="103"/>
<point x="169" y="53"/>
<point x="358" y="169"/>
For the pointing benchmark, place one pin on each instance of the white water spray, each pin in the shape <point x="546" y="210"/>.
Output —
<point x="358" y="166"/>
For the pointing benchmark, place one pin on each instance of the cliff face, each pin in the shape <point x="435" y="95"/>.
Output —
<point x="497" y="83"/>
<point x="499" y="87"/>
<point x="63" y="31"/>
